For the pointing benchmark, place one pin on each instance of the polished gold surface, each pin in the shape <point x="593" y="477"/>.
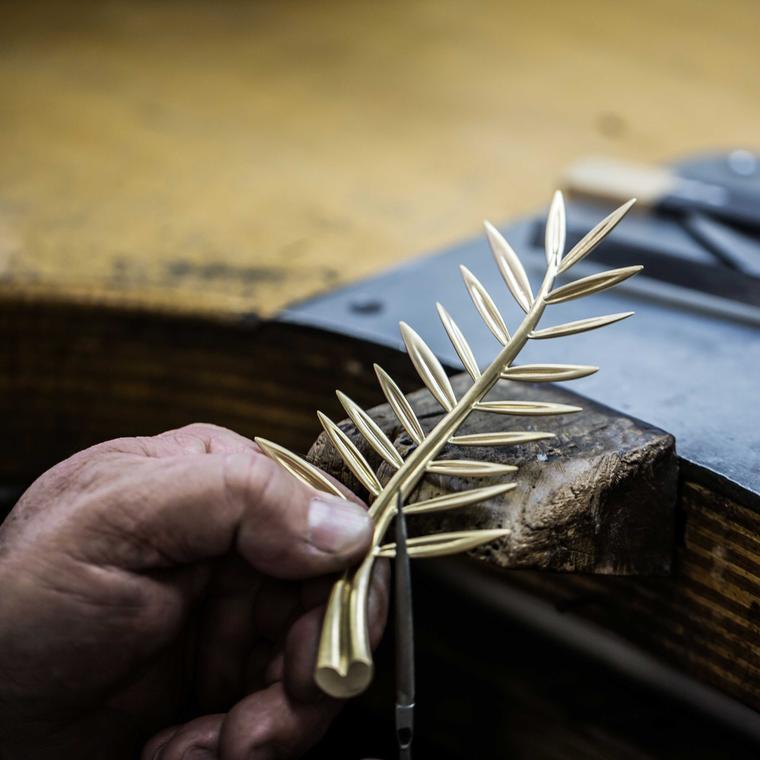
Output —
<point x="459" y="499"/>
<point x="579" y="326"/>
<point x="351" y="455"/>
<point x="525" y="408"/>
<point x="443" y="544"/>
<point x="233" y="157"/>
<point x="547" y="373"/>
<point x="469" y="468"/>
<point x="344" y="660"/>
<point x="591" y="284"/>
<point x="299" y="468"/>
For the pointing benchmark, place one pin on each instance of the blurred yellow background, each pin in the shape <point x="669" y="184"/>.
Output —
<point x="230" y="157"/>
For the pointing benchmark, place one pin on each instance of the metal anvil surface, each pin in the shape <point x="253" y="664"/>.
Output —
<point x="688" y="365"/>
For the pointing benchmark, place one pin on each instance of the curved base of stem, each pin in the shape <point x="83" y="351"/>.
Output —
<point x="344" y="659"/>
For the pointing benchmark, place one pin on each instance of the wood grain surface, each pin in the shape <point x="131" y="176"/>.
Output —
<point x="229" y="157"/>
<point x="705" y="618"/>
<point x="72" y="375"/>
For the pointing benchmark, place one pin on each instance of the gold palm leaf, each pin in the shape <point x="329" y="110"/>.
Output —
<point x="344" y="662"/>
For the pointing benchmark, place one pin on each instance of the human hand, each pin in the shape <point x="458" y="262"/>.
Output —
<point x="148" y="581"/>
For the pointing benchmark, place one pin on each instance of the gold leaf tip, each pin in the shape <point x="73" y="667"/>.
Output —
<point x="401" y="407"/>
<point x="461" y="346"/>
<point x="371" y="431"/>
<point x="428" y="367"/>
<point x="580" y="325"/>
<point x="442" y="544"/>
<point x="485" y="306"/>
<point x="350" y="454"/>
<point x="595" y="236"/>
<point x="300" y="468"/>
<point x="594" y="283"/>
<point x="554" y="236"/>
<point x="510" y="267"/>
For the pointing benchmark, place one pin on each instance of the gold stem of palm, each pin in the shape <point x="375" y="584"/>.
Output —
<point x="344" y="662"/>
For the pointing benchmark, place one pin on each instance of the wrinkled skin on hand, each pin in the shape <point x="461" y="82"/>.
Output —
<point x="170" y="587"/>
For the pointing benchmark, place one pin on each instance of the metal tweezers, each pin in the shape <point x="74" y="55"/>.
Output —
<point x="404" y="640"/>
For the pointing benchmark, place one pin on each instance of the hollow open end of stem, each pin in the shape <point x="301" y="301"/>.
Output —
<point x="353" y="683"/>
<point x="344" y="659"/>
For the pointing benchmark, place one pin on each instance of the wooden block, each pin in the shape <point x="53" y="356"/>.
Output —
<point x="599" y="498"/>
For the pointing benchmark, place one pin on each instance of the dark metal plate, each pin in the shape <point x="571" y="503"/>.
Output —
<point x="688" y="362"/>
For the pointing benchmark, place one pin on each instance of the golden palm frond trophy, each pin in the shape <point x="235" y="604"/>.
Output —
<point x="344" y="662"/>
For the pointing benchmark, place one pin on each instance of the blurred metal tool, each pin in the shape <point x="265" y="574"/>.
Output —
<point x="732" y="247"/>
<point x="703" y="229"/>
<point x="404" y="640"/>
<point x="662" y="189"/>
<point x="690" y="253"/>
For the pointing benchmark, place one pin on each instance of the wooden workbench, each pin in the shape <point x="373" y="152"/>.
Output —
<point x="227" y="158"/>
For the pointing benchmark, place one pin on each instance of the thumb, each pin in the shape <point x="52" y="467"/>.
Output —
<point x="193" y="508"/>
<point x="289" y="529"/>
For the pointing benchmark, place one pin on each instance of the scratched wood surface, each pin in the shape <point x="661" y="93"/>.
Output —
<point x="227" y="158"/>
<point x="599" y="498"/>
